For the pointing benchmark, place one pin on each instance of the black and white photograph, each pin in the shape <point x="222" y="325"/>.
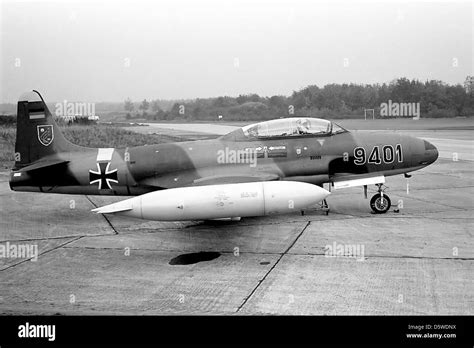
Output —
<point x="194" y="162"/>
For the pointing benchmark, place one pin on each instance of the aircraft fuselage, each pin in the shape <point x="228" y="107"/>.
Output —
<point x="313" y="159"/>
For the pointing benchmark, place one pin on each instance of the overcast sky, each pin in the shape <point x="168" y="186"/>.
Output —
<point x="111" y="50"/>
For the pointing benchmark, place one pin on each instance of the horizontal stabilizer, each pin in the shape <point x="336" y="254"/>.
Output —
<point x="43" y="164"/>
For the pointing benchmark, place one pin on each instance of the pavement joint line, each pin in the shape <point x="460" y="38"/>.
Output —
<point x="282" y="254"/>
<point x="448" y="218"/>
<point x="445" y="205"/>
<point x="103" y="215"/>
<point x="455" y="174"/>
<point x="44" y="252"/>
<point x="53" y="238"/>
<point x="415" y="188"/>
<point x="431" y="188"/>
<point x="383" y="216"/>
<point x="392" y="257"/>
<point x="272" y="268"/>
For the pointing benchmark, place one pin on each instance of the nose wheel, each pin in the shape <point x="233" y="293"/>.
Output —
<point x="380" y="202"/>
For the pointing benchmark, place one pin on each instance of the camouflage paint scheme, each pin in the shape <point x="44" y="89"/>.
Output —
<point x="47" y="162"/>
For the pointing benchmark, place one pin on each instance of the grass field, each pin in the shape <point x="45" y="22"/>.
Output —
<point x="90" y="136"/>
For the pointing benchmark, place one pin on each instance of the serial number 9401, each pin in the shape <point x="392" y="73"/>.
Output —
<point x="387" y="155"/>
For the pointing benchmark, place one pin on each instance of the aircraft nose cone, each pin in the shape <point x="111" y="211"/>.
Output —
<point x="431" y="153"/>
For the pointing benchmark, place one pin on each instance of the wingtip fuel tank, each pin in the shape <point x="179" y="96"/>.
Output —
<point x="219" y="201"/>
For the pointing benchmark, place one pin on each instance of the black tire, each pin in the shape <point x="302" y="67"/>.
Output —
<point x="380" y="204"/>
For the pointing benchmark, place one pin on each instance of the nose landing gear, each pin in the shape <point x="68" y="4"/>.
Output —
<point x="380" y="202"/>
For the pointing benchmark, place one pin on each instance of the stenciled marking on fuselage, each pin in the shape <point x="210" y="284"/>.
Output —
<point x="271" y="151"/>
<point x="247" y="194"/>
<point x="376" y="157"/>
<point x="277" y="151"/>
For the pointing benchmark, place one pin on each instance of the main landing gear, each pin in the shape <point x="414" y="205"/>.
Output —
<point x="380" y="202"/>
<point x="323" y="206"/>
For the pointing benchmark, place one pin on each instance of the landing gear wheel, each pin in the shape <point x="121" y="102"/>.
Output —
<point x="380" y="204"/>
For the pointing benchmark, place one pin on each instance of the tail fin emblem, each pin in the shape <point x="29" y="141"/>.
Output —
<point x="45" y="134"/>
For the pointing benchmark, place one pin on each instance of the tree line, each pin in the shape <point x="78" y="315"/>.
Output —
<point x="435" y="98"/>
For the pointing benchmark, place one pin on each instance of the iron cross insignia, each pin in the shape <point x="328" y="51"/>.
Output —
<point x="103" y="176"/>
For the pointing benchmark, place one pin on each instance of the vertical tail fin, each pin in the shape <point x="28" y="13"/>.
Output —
<point x="37" y="135"/>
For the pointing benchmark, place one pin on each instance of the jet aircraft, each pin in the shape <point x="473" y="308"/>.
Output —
<point x="270" y="167"/>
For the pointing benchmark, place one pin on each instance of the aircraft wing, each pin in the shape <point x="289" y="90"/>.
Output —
<point x="352" y="180"/>
<point x="169" y="181"/>
<point x="235" y="179"/>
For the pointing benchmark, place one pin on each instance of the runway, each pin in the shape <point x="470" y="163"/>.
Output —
<point x="415" y="262"/>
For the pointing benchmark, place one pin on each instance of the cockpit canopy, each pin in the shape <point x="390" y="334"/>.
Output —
<point x="288" y="127"/>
